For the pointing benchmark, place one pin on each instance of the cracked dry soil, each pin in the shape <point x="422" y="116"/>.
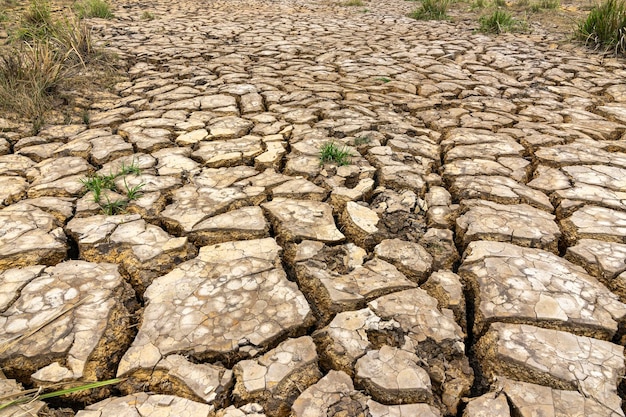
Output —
<point x="469" y="261"/>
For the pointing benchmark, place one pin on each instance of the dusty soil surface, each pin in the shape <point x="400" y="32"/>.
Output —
<point x="469" y="259"/>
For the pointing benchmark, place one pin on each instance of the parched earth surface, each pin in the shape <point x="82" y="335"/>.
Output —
<point x="470" y="260"/>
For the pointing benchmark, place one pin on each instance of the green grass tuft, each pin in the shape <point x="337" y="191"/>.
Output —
<point x="498" y="22"/>
<point x="605" y="27"/>
<point x="94" y="8"/>
<point x="431" y="10"/>
<point x="545" y="5"/>
<point x="98" y="184"/>
<point x="146" y="15"/>
<point x="479" y="4"/>
<point x="362" y="140"/>
<point x="330" y="152"/>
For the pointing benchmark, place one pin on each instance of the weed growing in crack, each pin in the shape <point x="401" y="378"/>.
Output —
<point x="133" y="168"/>
<point x="500" y="21"/>
<point x="111" y="208"/>
<point x="605" y="27"/>
<point x="146" y="15"/>
<point x="133" y="193"/>
<point x="99" y="184"/>
<point x="350" y="3"/>
<point x="362" y="140"/>
<point x="431" y="10"/>
<point x="330" y="152"/>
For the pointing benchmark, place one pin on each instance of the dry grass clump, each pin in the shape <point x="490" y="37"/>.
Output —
<point x="44" y="54"/>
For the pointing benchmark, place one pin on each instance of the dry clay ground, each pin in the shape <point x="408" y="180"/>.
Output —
<point x="469" y="261"/>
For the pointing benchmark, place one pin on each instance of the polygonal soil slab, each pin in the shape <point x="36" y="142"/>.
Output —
<point x="410" y="258"/>
<point x="434" y="337"/>
<point x="145" y="251"/>
<point x="29" y="236"/>
<point x="222" y="153"/>
<point x="593" y="222"/>
<point x="300" y="189"/>
<point x="520" y="224"/>
<point x="13" y="189"/>
<point x="393" y="376"/>
<point x="58" y="177"/>
<point x="488" y="405"/>
<point x="334" y="292"/>
<point x="605" y="176"/>
<point x="581" y="152"/>
<point x="404" y="410"/>
<point x="246" y="223"/>
<point x="146" y="405"/>
<point x="15" y="165"/>
<point x="231" y="302"/>
<point x="498" y="189"/>
<point x="591" y="194"/>
<point x="347" y="338"/>
<point x="446" y="287"/>
<point x="515" y="168"/>
<point x="296" y="220"/>
<point x="333" y="393"/>
<point x="276" y="379"/>
<point x="213" y="192"/>
<point x="523" y="285"/>
<point x="604" y="260"/>
<point x="532" y="400"/>
<point x="246" y="410"/>
<point x="553" y="358"/>
<point x="502" y="146"/>
<point x="175" y="374"/>
<point x="359" y="223"/>
<point x="99" y="146"/>
<point x="70" y="321"/>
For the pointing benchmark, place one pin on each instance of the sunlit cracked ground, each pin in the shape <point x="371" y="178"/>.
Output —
<point x="469" y="260"/>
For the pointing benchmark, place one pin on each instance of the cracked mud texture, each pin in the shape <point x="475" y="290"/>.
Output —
<point x="470" y="259"/>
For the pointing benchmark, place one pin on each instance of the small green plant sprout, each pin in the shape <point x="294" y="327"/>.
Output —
<point x="362" y="140"/>
<point x="350" y="3"/>
<point x="113" y="207"/>
<point x="133" y="168"/>
<point x="133" y="193"/>
<point x="498" y="22"/>
<point x="431" y="10"/>
<point x="146" y="15"/>
<point x="605" y="27"/>
<point x="98" y="185"/>
<point x="330" y="152"/>
<point x="93" y="8"/>
<point x="383" y="79"/>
